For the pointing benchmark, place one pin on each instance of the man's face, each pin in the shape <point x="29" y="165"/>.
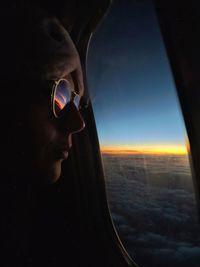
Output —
<point x="51" y="137"/>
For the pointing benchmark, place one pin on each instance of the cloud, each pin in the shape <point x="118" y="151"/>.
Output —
<point x="156" y="219"/>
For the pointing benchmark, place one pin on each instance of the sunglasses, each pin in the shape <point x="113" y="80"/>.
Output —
<point x="62" y="95"/>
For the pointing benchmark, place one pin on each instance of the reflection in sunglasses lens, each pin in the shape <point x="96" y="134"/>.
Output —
<point x="62" y="96"/>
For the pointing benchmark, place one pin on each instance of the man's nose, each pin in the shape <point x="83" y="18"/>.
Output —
<point x="71" y="121"/>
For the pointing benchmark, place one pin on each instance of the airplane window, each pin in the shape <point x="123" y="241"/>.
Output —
<point x="143" y="139"/>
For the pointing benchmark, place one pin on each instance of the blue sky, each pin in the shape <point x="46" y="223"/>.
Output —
<point x="130" y="80"/>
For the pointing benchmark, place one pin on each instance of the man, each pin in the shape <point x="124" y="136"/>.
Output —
<point x="45" y="66"/>
<point x="42" y="87"/>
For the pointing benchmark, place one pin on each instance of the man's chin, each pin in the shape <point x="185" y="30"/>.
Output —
<point x="54" y="173"/>
<point x="48" y="175"/>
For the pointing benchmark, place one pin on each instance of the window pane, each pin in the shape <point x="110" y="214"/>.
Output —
<point x="142" y="138"/>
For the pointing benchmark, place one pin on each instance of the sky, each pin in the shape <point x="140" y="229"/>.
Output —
<point x="131" y="84"/>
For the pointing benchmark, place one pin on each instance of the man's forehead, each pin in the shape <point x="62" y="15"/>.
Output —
<point x="61" y="55"/>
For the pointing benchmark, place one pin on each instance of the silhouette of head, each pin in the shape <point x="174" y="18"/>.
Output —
<point x="42" y="84"/>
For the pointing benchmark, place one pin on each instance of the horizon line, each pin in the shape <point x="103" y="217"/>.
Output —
<point x="177" y="150"/>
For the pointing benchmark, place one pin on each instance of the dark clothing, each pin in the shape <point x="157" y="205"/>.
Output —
<point x="39" y="227"/>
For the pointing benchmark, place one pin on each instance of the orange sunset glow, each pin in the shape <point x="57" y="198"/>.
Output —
<point x="157" y="149"/>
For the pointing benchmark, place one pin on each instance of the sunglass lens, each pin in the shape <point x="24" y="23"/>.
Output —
<point x="77" y="101"/>
<point x="62" y="96"/>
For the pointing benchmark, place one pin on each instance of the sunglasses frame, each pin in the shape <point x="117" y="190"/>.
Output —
<point x="73" y="95"/>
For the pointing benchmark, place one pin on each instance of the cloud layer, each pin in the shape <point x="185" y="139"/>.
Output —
<point x="154" y="210"/>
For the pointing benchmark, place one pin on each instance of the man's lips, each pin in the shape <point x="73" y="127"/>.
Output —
<point x="62" y="153"/>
